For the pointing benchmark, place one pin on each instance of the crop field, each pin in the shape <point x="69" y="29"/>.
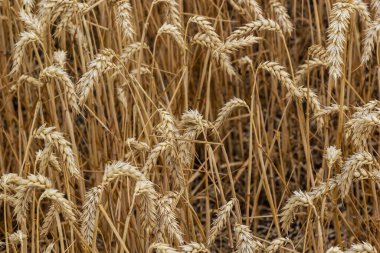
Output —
<point x="199" y="126"/>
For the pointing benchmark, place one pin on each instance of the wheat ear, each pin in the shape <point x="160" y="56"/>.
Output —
<point x="221" y="219"/>
<point x="227" y="109"/>
<point x="352" y="164"/>
<point x="194" y="247"/>
<point x="57" y="73"/>
<point x="257" y="25"/>
<point x="25" y="39"/>
<point x="167" y="217"/>
<point x="55" y="138"/>
<point x="99" y="65"/>
<point x="283" y="76"/>
<point x="173" y="31"/>
<point x="89" y="212"/>
<point x="336" y="42"/>
<point x="282" y="16"/>
<point x="124" y="18"/>
<point x="245" y="241"/>
<point x="363" y="247"/>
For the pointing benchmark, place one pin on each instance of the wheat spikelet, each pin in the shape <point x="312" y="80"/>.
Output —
<point x="25" y="39"/>
<point x="318" y="52"/>
<point x="147" y="203"/>
<point x="336" y="42"/>
<point x="99" y="65"/>
<point x="282" y="16"/>
<point x="60" y="202"/>
<point x="333" y="156"/>
<point x="167" y="217"/>
<point x="363" y="247"/>
<point x="375" y="6"/>
<point x="227" y="109"/>
<point x="89" y="210"/>
<point x="57" y="73"/>
<point x="124" y="18"/>
<point x="162" y="248"/>
<point x="194" y="247"/>
<point x="369" y="40"/>
<point x="173" y="31"/>
<point x="297" y="200"/>
<point x="235" y="44"/>
<point x="334" y="250"/>
<point x="352" y="164"/>
<point x="257" y="25"/>
<point x="283" y="76"/>
<point x="17" y="237"/>
<point x="60" y="58"/>
<point x="49" y="248"/>
<point x="55" y="138"/>
<point x="23" y="192"/>
<point x="276" y="244"/>
<point x="221" y="218"/>
<point x="245" y="241"/>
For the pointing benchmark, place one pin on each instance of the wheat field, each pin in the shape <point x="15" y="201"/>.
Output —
<point x="169" y="126"/>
